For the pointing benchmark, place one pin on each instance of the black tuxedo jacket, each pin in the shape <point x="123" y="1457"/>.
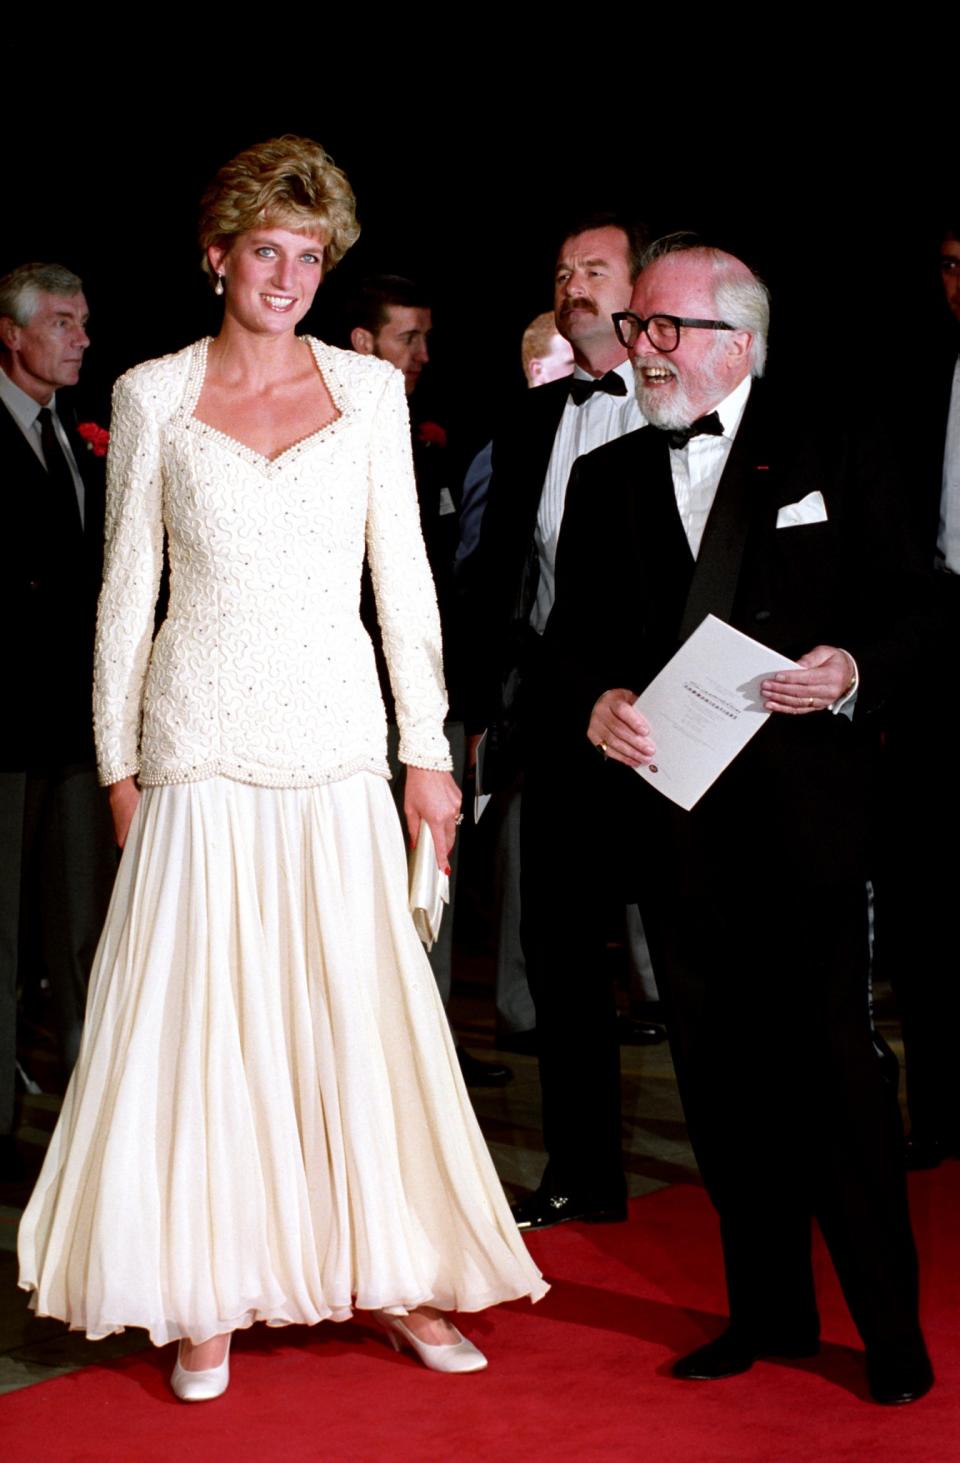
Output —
<point x="920" y="758"/>
<point x="629" y="592"/>
<point x="918" y="436"/>
<point x="50" y="569"/>
<point x="500" y="578"/>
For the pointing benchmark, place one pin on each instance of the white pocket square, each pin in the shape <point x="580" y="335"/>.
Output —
<point x="811" y="509"/>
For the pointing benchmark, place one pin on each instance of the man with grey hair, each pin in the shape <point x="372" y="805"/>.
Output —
<point x="55" y="842"/>
<point x="754" y="902"/>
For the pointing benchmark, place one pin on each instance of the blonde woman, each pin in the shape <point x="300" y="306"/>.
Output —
<point x="267" y="1121"/>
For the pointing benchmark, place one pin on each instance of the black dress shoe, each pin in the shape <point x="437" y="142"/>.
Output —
<point x="483" y="1074"/>
<point x="735" y="1351"/>
<point x="522" y="1042"/>
<point x="647" y="1010"/>
<point x="543" y="1209"/>
<point x="895" y="1378"/>
<point x="638" y="1033"/>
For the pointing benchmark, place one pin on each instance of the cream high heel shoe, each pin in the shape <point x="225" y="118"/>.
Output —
<point x="459" y="1356"/>
<point x="201" y="1386"/>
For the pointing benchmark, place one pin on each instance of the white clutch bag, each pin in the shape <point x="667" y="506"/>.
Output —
<point x="429" y="888"/>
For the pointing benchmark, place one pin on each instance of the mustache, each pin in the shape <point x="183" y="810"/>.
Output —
<point x="583" y="304"/>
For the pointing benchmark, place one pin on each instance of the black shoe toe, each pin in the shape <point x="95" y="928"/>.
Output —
<point x="483" y="1074"/>
<point x="543" y="1209"/>
<point x="735" y="1351"/>
<point x="726" y="1355"/>
<point x="897" y="1378"/>
<point x="638" y="1033"/>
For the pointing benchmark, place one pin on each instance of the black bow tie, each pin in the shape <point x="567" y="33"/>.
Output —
<point x="708" y="426"/>
<point x="611" y="383"/>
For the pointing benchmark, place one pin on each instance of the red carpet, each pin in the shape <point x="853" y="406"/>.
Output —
<point x="582" y="1376"/>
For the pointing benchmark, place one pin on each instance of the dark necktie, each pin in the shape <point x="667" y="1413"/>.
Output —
<point x="708" y="426"/>
<point x="611" y="383"/>
<point x="63" y="487"/>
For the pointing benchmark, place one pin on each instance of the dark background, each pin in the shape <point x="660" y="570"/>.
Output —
<point x="835" y="196"/>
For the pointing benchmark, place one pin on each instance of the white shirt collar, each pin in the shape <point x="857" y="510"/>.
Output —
<point x="731" y="408"/>
<point x="23" y="408"/>
<point x="625" y="370"/>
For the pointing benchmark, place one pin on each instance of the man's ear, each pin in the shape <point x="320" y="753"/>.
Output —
<point x="739" y="345"/>
<point x="363" y="341"/>
<point x="9" y="333"/>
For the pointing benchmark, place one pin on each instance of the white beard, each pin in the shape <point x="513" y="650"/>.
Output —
<point x="680" y="404"/>
<point x="660" y="409"/>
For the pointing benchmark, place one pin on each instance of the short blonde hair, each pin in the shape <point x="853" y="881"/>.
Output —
<point x="289" y="182"/>
<point x="537" y="339"/>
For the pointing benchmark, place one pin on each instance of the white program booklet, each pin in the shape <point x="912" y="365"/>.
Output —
<point x="704" y="707"/>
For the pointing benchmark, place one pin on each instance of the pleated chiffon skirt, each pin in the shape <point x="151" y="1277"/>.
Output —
<point x="267" y="1120"/>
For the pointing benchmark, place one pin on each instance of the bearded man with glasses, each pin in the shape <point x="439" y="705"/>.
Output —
<point x="754" y="902"/>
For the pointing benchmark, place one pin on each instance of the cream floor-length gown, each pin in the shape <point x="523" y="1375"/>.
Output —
<point x="267" y="1120"/>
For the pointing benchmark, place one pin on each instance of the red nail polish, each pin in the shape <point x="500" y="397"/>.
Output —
<point x="447" y="869"/>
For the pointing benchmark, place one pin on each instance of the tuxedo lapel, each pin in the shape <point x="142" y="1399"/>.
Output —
<point x="649" y="527"/>
<point x="546" y="406"/>
<point x="713" y="587"/>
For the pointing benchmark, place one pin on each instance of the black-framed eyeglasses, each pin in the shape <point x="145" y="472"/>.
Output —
<point x="662" y="331"/>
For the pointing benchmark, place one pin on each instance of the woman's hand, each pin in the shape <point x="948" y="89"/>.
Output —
<point x="124" y="797"/>
<point x="433" y="798"/>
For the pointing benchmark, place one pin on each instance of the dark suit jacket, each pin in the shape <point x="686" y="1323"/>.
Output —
<point x="922" y="788"/>
<point x="50" y="571"/>
<point x="629" y="592"/>
<point x="440" y="529"/>
<point x="499" y="585"/>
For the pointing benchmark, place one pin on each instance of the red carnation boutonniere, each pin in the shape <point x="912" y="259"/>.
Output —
<point x="96" y="438"/>
<point x="431" y="434"/>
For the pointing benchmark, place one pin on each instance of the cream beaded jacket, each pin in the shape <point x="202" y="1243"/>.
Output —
<point x="262" y="671"/>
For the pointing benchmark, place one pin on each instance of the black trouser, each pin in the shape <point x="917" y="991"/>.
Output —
<point x="57" y="862"/>
<point x="566" y="891"/>
<point x="787" y="1107"/>
<point x="915" y="890"/>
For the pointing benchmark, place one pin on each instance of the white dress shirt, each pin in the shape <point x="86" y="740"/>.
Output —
<point x="599" y="420"/>
<point x="948" y="539"/>
<point x="698" y="467"/>
<point x="26" y="413"/>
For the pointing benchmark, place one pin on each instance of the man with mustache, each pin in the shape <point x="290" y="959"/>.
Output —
<point x="509" y="595"/>
<point x="754" y="902"/>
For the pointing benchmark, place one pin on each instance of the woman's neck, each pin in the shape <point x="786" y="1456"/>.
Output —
<point x="241" y="357"/>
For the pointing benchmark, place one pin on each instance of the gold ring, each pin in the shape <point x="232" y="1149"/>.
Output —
<point x="458" y="820"/>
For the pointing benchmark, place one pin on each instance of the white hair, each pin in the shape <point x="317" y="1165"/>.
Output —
<point x="741" y="297"/>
